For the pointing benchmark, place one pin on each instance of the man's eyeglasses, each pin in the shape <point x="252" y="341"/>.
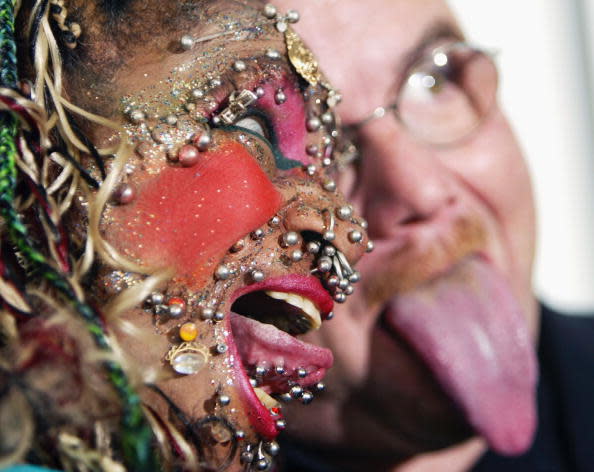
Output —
<point x="445" y="95"/>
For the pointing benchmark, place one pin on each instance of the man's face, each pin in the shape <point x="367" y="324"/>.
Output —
<point x="229" y="190"/>
<point x="437" y="342"/>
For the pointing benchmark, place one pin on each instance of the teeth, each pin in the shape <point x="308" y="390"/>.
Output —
<point x="303" y="304"/>
<point x="266" y="399"/>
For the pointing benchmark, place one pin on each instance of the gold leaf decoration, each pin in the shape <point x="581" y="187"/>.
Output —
<point x="302" y="58"/>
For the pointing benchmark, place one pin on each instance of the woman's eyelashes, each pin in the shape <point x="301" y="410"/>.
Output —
<point x="259" y="125"/>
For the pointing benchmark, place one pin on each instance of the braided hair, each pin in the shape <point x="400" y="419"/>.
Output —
<point x="45" y="315"/>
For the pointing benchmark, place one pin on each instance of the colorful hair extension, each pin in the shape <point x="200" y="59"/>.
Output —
<point x="15" y="119"/>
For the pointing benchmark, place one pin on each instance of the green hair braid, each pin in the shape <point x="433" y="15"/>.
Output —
<point x="136" y="433"/>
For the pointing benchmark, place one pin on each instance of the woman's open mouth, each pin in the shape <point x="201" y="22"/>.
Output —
<point x="271" y="365"/>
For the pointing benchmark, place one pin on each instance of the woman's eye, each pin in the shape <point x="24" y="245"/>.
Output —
<point x="254" y="125"/>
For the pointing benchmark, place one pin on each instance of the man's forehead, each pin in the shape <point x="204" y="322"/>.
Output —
<point x="378" y="49"/>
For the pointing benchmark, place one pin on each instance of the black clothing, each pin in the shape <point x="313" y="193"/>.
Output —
<point x="564" y="440"/>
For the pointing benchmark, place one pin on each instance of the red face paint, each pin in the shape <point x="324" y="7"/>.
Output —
<point x="187" y="218"/>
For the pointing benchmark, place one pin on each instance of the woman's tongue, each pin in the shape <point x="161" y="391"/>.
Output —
<point x="264" y="344"/>
<point x="469" y="329"/>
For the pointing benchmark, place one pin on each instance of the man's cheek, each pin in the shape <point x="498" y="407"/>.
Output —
<point x="187" y="218"/>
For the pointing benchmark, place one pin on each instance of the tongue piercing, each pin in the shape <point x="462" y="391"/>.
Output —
<point x="219" y="316"/>
<point x="222" y="272"/>
<point x="355" y="236"/>
<point x="290" y="239"/>
<point x="297" y="255"/>
<point x="370" y="246"/>
<point x="224" y="400"/>
<point x="296" y="391"/>
<point x="340" y="298"/>
<point x="257" y="275"/>
<point x="320" y="386"/>
<point x="301" y="372"/>
<point x="281" y="424"/>
<point x="313" y="247"/>
<point x="324" y="264"/>
<point x="307" y="398"/>
<point x="207" y="313"/>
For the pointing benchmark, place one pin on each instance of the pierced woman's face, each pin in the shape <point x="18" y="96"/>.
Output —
<point x="230" y="187"/>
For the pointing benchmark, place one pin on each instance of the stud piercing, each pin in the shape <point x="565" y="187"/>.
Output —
<point x="344" y="213"/>
<point x="280" y="97"/>
<point x="186" y="42"/>
<point x="124" y="194"/>
<point x="222" y="272"/>
<point x="219" y="316"/>
<point x="207" y="313"/>
<point x="258" y="276"/>
<point x="239" y="66"/>
<point x="370" y="246"/>
<point x="313" y="124"/>
<point x="225" y="400"/>
<point x="188" y="332"/>
<point x="307" y="398"/>
<point x="221" y="348"/>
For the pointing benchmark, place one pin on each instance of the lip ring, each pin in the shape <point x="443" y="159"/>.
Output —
<point x="259" y="416"/>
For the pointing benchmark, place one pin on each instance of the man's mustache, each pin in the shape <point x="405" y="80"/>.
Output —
<point x="410" y="266"/>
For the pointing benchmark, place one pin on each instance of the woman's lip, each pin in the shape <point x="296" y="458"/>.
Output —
<point x="306" y="286"/>
<point x="259" y="416"/>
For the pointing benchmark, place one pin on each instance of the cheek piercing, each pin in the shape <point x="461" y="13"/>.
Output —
<point x="124" y="194"/>
<point x="222" y="272"/>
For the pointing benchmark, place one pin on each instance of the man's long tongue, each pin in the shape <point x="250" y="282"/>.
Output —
<point x="469" y="329"/>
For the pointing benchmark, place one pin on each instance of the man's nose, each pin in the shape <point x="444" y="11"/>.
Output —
<point x="327" y="218"/>
<point x="403" y="181"/>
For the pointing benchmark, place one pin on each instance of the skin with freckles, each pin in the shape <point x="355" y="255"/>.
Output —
<point x="436" y="215"/>
<point x="213" y="215"/>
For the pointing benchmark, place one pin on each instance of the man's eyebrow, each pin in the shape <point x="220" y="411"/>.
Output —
<point x="435" y="32"/>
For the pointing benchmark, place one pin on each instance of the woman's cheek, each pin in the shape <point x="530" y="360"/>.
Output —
<point x="187" y="218"/>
